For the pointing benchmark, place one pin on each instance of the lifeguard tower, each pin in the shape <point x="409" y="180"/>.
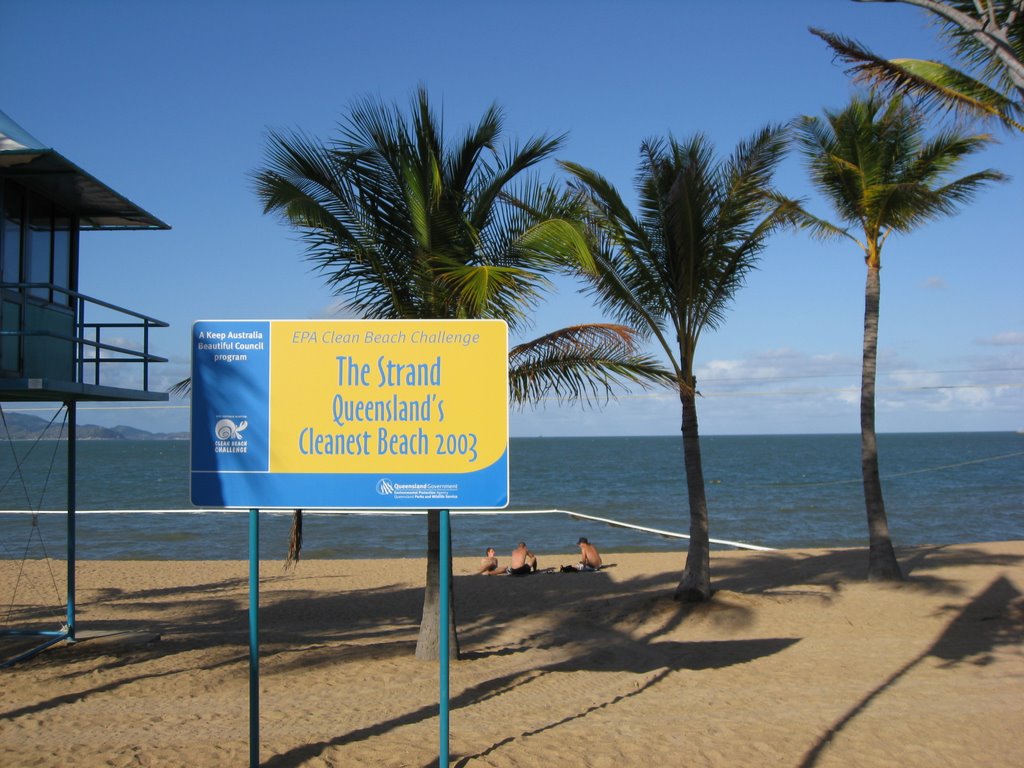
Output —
<point x="56" y="343"/>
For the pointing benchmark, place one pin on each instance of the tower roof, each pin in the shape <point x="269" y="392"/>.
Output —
<point x="25" y="158"/>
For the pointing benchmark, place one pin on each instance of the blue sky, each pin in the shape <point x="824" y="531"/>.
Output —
<point x="169" y="104"/>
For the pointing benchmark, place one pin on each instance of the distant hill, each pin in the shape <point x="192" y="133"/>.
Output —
<point x="25" y="427"/>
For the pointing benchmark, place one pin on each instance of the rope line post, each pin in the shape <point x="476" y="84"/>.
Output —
<point x="254" y="638"/>
<point x="443" y="620"/>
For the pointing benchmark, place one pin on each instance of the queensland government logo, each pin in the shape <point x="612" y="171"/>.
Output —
<point x="417" y="491"/>
<point x="229" y="438"/>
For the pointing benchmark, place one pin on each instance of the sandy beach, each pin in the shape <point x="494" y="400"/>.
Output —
<point x="796" y="662"/>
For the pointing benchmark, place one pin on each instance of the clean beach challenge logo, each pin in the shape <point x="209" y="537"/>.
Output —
<point x="229" y="436"/>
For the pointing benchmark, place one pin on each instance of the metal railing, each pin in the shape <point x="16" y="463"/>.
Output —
<point x="89" y="349"/>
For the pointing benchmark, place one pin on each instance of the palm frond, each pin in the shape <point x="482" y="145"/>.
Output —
<point x="624" y="245"/>
<point x="586" y="363"/>
<point x="515" y="162"/>
<point x="182" y="389"/>
<point x="933" y="83"/>
<point x="793" y="213"/>
<point x="701" y="226"/>
<point x="553" y="245"/>
<point x="985" y="35"/>
<point x="873" y="160"/>
<point x="947" y="85"/>
<point x="488" y="291"/>
<point x="463" y="163"/>
<point x="342" y="223"/>
<point x="542" y="226"/>
<point x="402" y="223"/>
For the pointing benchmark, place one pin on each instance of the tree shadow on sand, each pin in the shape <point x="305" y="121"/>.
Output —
<point x="607" y="624"/>
<point x="211" y="614"/>
<point x="587" y="621"/>
<point x="993" y="619"/>
<point x="654" y="660"/>
<point x="306" y="628"/>
<point x="764" y="571"/>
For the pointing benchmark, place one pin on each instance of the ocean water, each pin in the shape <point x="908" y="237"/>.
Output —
<point x="775" y="491"/>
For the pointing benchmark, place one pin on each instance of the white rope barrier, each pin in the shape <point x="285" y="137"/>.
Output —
<point x="666" y="534"/>
<point x="384" y="512"/>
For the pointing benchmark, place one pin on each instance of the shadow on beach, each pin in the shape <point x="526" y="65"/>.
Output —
<point x="992" y="620"/>
<point x="764" y="571"/>
<point x="574" y="623"/>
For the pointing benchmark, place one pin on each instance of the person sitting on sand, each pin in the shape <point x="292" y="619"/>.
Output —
<point x="489" y="563"/>
<point x="523" y="561"/>
<point x="590" y="558"/>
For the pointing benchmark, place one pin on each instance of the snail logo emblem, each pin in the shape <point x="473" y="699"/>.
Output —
<point x="385" y="487"/>
<point x="226" y="429"/>
<point x="228" y="434"/>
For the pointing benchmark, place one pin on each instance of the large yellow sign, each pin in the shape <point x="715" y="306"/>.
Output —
<point x="428" y="396"/>
<point x="357" y="413"/>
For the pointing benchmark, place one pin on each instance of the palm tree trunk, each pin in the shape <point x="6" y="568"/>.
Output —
<point x="294" y="541"/>
<point x="695" y="586"/>
<point x="428" y="644"/>
<point x="882" y="563"/>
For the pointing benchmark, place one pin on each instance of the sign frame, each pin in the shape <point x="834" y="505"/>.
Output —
<point x="350" y="414"/>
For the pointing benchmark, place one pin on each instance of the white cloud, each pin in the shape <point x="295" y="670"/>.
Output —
<point x="934" y="283"/>
<point x="774" y="391"/>
<point x="1005" y="339"/>
<point x="771" y="369"/>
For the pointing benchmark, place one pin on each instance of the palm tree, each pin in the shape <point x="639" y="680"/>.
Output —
<point x="404" y="224"/>
<point x="674" y="268"/>
<point x="986" y="38"/>
<point x="873" y="163"/>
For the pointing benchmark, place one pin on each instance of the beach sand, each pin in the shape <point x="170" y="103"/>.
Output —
<point x="796" y="662"/>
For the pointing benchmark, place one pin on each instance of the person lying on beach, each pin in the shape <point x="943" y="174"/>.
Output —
<point x="523" y="561"/>
<point x="590" y="558"/>
<point x="489" y="563"/>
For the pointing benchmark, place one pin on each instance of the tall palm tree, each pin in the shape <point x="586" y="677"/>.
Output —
<point x="986" y="38"/>
<point x="404" y="223"/>
<point x="673" y="269"/>
<point x="873" y="163"/>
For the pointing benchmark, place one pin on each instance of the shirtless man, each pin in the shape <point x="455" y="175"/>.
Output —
<point x="590" y="558"/>
<point x="489" y="563"/>
<point x="523" y="561"/>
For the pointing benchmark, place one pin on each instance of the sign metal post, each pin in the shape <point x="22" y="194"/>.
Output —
<point x="349" y="414"/>
<point x="254" y="638"/>
<point x="443" y="661"/>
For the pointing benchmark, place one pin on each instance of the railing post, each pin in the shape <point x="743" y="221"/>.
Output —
<point x="145" y="355"/>
<point x="79" y="341"/>
<point x="22" y="328"/>
<point x="81" y="331"/>
<point x="96" y="360"/>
